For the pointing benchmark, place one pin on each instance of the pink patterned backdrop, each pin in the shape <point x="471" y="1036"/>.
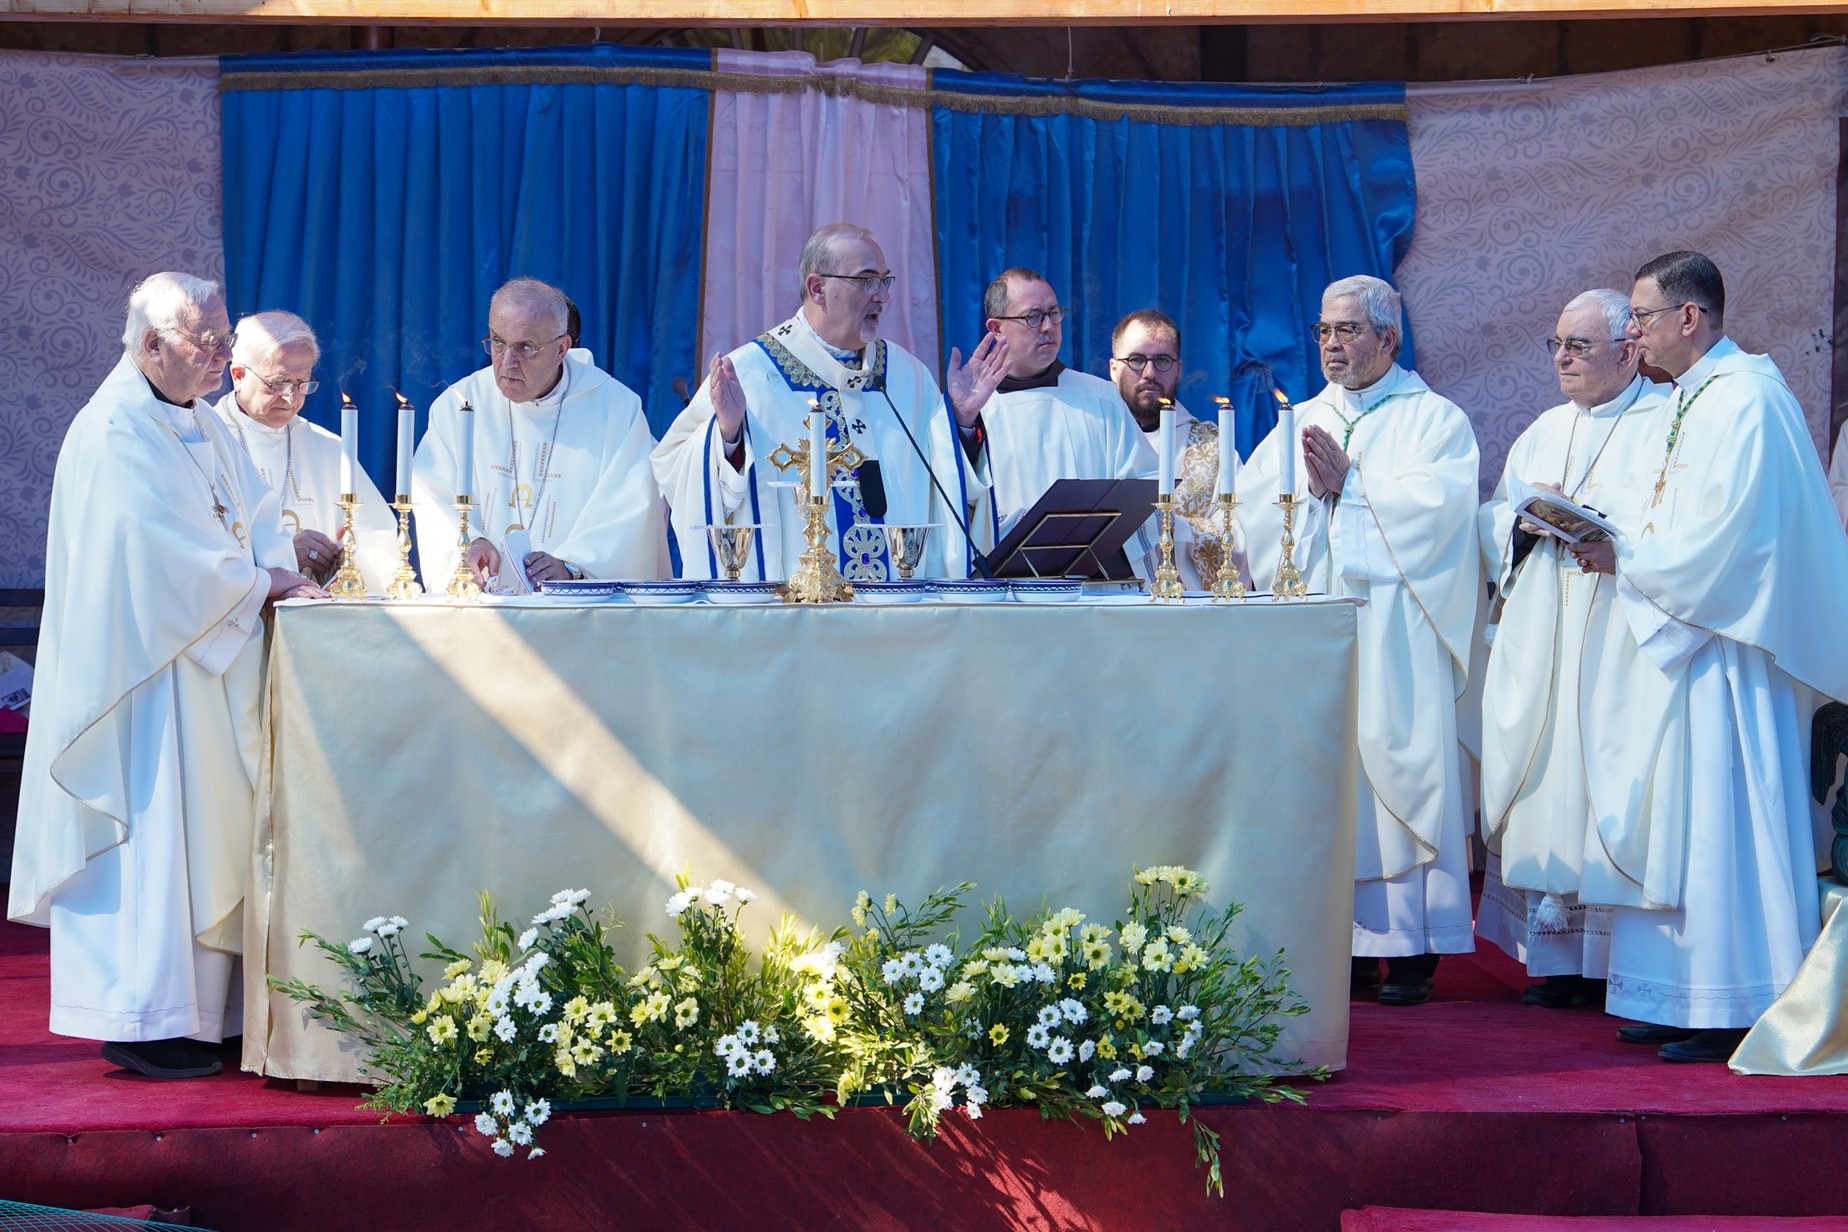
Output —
<point x="1531" y="193"/>
<point x="109" y="170"/>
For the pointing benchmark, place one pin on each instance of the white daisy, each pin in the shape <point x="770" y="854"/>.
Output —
<point x="359" y="946"/>
<point x="1136" y="1118"/>
<point x="1087" y="1050"/>
<point x="1114" y="1108"/>
<point x="748" y="1031"/>
<point x="503" y="1148"/>
<point x="1161" y="1015"/>
<point x="520" y="1133"/>
<point x="548" y="1034"/>
<point x="505" y="1029"/>
<point x="1152" y="1048"/>
<point x="1049" y="1016"/>
<point x="766" y="1061"/>
<point x="486" y="1125"/>
<point x="538" y="1112"/>
<point x="1097" y="1091"/>
<point x="1144" y="1072"/>
<point x="938" y="955"/>
<point x="911" y="962"/>
<point x="1119" y="1074"/>
<point x="1059" y="1051"/>
<point x="744" y="895"/>
<point x="374" y="924"/>
<point x="930" y="979"/>
<point x="502" y="1102"/>
<point x="967" y="1075"/>
<point x="914" y="1004"/>
<point x="527" y="938"/>
<point x="1039" y="1035"/>
<point x="892" y="971"/>
<point x="738" y="1064"/>
<point x="1187" y="1012"/>
<point x="1073" y="1010"/>
<point x="1043" y="973"/>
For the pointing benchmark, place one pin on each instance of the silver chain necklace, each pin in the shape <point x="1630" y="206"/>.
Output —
<point x="288" y="452"/>
<point x="543" y="462"/>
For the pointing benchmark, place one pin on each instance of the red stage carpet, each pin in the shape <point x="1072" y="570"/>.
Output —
<point x="1470" y="1102"/>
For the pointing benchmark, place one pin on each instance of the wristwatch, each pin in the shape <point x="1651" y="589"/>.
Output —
<point x="576" y="574"/>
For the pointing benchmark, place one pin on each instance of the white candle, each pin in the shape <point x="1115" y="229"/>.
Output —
<point x="1286" y="428"/>
<point x="818" y="452"/>
<point x="465" y="451"/>
<point x="1166" y="485"/>
<point x="1228" y="452"/>
<point x="407" y="428"/>
<point x="349" y="444"/>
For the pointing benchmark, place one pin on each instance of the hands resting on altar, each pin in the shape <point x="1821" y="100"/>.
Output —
<point x="484" y="561"/>
<point x="288" y="584"/>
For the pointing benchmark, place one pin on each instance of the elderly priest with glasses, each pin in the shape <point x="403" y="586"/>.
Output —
<point x="272" y="373"/>
<point x="1536" y="816"/>
<point x="1389" y="469"/>
<point x="714" y="462"/>
<point x="557" y="460"/>
<point x="137" y="797"/>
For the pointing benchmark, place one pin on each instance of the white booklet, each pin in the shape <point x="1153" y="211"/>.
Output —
<point x="512" y="579"/>
<point x="1564" y="517"/>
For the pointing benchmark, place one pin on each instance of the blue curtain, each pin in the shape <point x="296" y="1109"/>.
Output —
<point x="1228" y="208"/>
<point x="384" y="196"/>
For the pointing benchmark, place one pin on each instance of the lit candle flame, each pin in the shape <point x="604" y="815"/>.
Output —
<point x="1283" y="399"/>
<point x="402" y="400"/>
<point x="1165" y="402"/>
<point x="345" y="400"/>
<point x="1222" y="400"/>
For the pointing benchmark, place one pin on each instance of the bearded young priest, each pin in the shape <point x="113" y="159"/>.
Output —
<point x="560" y="452"/>
<point x="713" y="462"/>
<point x="1385" y="476"/>
<point x="1536" y="816"/>
<point x="1699" y="778"/>
<point x="137" y="797"/>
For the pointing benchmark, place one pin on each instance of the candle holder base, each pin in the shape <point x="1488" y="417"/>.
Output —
<point x="817" y="578"/>
<point x="462" y="584"/>
<point x="1166" y="586"/>
<point x="1227" y="585"/>
<point x="348" y="582"/>
<point x="1288" y="583"/>
<point x="404" y="583"/>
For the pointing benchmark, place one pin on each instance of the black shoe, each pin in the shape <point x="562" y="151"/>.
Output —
<point x="168" y="1058"/>
<point x="1653" y="1035"/>
<point x="1715" y="1044"/>
<point x="1395" y="993"/>
<point x="1365" y="978"/>
<point x="1561" y="992"/>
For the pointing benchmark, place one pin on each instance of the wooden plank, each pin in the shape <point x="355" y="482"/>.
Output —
<point x="913" y="13"/>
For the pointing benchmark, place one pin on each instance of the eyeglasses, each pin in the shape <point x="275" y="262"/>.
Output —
<point x="525" y="350"/>
<point x="868" y="282"/>
<point x="1578" y="348"/>
<point x="211" y="342"/>
<point x="1347" y="331"/>
<point x="1137" y="363"/>
<point x="1035" y="317"/>
<point x="1642" y="315"/>
<point x="300" y="389"/>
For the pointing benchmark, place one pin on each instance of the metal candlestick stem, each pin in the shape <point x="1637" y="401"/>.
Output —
<point x="1289" y="583"/>
<point x="404" y="584"/>
<point x="463" y="585"/>
<point x="1167" y="586"/>
<point x="817" y="579"/>
<point x="349" y="582"/>
<point x="1227" y="585"/>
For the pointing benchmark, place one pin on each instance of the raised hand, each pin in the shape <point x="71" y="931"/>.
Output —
<point x="973" y="383"/>
<point x="727" y="397"/>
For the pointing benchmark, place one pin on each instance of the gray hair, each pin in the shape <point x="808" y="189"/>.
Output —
<point x="262" y="334"/>
<point x="160" y="300"/>
<point x="529" y="295"/>
<point x="820" y="247"/>
<point x="1614" y="304"/>
<point x="1377" y="299"/>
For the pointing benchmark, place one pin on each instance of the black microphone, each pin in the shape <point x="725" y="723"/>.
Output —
<point x="872" y="488"/>
<point x="980" y="561"/>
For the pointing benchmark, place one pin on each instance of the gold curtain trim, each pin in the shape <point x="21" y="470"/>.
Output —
<point x="872" y="92"/>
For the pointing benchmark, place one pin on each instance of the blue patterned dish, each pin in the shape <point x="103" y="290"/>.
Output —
<point x="1046" y="590"/>
<point x="891" y="592"/>
<point x="719" y="590"/>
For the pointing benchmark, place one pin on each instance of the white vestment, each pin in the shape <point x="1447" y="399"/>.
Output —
<point x="1536" y="814"/>
<point x="1403" y="537"/>
<point x="1077" y="428"/>
<point x="1838" y="475"/>
<point x="570" y="467"/>
<point x="1197" y="523"/>
<point x="889" y="408"/>
<point x="1697" y="747"/>
<point x="137" y="794"/>
<point x="301" y="463"/>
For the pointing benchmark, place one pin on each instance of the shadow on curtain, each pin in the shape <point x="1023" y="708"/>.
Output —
<point x="1229" y="208"/>
<point x="384" y="196"/>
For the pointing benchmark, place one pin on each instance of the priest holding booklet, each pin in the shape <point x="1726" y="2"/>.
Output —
<point x="1536" y="819"/>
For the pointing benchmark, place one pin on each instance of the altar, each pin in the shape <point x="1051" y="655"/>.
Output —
<point x="419" y="753"/>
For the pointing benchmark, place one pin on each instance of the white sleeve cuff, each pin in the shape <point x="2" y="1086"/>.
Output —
<point x="1664" y="640"/>
<point x="215" y="650"/>
<point x="1354" y="538"/>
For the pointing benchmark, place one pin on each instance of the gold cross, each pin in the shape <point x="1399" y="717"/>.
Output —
<point x="842" y="458"/>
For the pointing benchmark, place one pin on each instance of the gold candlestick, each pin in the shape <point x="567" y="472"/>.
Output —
<point x="1167" y="586"/>
<point x="1227" y="585"/>
<point x="349" y="583"/>
<point x="404" y="584"/>
<point x="817" y="579"/>
<point x="1289" y="583"/>
<point x="463" y="585"/>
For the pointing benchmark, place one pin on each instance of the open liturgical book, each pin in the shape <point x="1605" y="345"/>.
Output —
<point x="1564" y="517"/>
